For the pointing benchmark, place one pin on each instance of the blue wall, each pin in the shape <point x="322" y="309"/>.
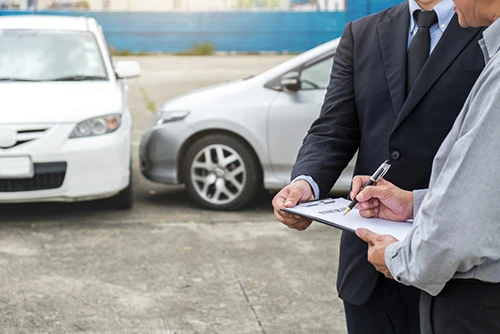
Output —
<point x="228" y="31"/>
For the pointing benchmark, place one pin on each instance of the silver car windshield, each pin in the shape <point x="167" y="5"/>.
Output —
<point x="49" y="55"/>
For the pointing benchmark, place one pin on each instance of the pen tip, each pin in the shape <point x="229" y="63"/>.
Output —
<point x="347" y="211"/>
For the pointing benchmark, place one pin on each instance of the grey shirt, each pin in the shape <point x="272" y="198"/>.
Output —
<point x="456" y="231"/>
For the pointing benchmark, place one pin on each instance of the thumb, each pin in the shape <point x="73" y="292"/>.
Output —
<point x="366" y="235"/>
<point x="292" y="199"/>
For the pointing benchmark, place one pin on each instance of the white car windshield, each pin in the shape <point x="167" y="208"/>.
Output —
<point x="50" y="55"/>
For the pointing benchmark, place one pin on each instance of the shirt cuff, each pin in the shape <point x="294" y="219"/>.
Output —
<point x="311" y="181"/>
<point x="400" y="270"/>
<point x="418" y="198"/>
<point x="390" y="255"/>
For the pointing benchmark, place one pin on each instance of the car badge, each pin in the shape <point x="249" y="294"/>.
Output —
<point x="8" y="137"/>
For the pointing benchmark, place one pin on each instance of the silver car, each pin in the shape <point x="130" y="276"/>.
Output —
<point x="228" y="141"/>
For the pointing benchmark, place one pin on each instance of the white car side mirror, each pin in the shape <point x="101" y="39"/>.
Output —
<point x="127" y="69"/>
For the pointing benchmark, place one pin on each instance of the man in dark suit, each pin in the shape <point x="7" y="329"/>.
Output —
<point x="399" y="80"/>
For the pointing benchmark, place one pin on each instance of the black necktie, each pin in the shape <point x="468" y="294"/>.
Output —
<point x="420" y="46"/>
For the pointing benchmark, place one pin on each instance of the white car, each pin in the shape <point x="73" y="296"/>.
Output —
<point x="226" y="142"/>
<point x="65" y="126"/>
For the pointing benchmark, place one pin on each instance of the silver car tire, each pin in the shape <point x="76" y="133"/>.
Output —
<point x="221" y="173"/>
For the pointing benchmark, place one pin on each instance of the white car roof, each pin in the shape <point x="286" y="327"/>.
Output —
<point x="40" y="22"/>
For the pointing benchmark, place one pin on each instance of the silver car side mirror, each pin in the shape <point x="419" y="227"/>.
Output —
<point x="290" y="82"/>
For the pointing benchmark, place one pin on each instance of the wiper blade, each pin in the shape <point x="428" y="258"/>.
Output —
<point x="79" y="78"/>
<point x="18" y="80"/>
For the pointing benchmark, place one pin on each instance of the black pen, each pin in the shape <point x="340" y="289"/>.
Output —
<point x="377" y="176"/>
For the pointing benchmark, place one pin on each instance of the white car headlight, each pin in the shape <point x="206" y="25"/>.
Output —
<point x="166" y="116"/>
<point x="97" y="126"/>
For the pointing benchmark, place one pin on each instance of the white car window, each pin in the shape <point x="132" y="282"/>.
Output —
<point x="46" y="55"/>
<point x="317" y="76"/>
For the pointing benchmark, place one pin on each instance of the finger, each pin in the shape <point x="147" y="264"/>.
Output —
<point x="388" y="275"/>
<point x="357" y="184"/>
<point x="299" y="222"/>
<point x="293" y="222"/>
<point x="302" y="226"/>
<point x="278" y="201"/>
<point x="370" y="204"/>
<point x="372" y="192"/>
<point x="371" y="213"/>
<point x="366" y="235"/>
<point x="283" y="216"/>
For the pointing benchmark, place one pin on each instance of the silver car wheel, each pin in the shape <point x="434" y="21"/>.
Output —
<point x="218" y="174"/>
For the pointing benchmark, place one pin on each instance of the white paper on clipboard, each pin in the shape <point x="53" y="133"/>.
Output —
<point x="331" y="212"/>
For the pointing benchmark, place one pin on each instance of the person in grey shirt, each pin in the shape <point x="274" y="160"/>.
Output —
<point x="453" y="251"/>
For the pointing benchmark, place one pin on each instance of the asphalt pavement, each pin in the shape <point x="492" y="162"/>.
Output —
<point x="166" y="266"/>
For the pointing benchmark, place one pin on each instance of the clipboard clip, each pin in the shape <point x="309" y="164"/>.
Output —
<point x="319" y="202"/>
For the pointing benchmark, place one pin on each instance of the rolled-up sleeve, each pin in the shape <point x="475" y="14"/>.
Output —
<point x="418" y="198"/>
<point x="457" y="226"/>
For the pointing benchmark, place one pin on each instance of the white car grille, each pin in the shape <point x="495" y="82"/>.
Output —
<point x="17" y="135"/>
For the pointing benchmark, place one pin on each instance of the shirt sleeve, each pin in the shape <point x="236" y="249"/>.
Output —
<point x="457" y="227"/>
<point x="418" y="198"/>
<point x="311" y="181"/>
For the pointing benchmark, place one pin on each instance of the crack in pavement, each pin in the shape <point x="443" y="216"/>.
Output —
<point x="224" y="251"/>
<point x="250" y="304"/>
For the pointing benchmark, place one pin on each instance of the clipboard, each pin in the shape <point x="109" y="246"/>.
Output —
<point x="331" y="212"/>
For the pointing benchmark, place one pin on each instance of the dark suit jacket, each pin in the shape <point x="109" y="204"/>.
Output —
<point x="366" y="108"/>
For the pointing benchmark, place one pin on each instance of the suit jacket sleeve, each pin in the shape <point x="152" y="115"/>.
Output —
<point x="334" y="137"/>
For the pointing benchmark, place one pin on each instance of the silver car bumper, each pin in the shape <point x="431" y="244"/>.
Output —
<point x="159" y="151"/>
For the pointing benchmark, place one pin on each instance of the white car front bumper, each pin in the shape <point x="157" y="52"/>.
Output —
<point x="71" y="169"/>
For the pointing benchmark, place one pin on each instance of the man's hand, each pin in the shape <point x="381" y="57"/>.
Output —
<point x="376" y="249"/>
<point x="382" y="200"/>
<point x="293" y="194"/>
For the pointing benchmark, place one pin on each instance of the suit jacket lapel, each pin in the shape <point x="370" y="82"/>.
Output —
<point x="451" y="44"/>
<point x="394" y="44"/>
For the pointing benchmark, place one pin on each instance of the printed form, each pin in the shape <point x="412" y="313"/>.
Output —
<point x="331" y="212"/>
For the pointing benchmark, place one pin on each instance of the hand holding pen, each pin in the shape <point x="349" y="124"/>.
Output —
<point x="376" y="177"/>
<point x="383" y="200"/>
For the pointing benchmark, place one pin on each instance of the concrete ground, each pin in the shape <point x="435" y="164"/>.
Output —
<point x="166" y="266"/>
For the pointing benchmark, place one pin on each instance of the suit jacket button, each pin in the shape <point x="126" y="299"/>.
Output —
<point x="395" y="155"/>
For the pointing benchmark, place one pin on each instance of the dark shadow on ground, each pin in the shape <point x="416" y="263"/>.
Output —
<point x="172" y="198"/>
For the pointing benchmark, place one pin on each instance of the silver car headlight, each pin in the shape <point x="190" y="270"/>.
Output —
<point x="167" y="116"/>
<point x="97" y="126"/>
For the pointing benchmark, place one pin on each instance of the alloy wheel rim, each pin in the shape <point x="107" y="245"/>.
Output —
<point x="218" y="174"/>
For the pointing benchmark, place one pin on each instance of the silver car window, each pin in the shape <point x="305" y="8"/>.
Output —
<point x="317" y="76"/>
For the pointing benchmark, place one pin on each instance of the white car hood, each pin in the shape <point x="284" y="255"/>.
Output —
<point x="58" y="102"/>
